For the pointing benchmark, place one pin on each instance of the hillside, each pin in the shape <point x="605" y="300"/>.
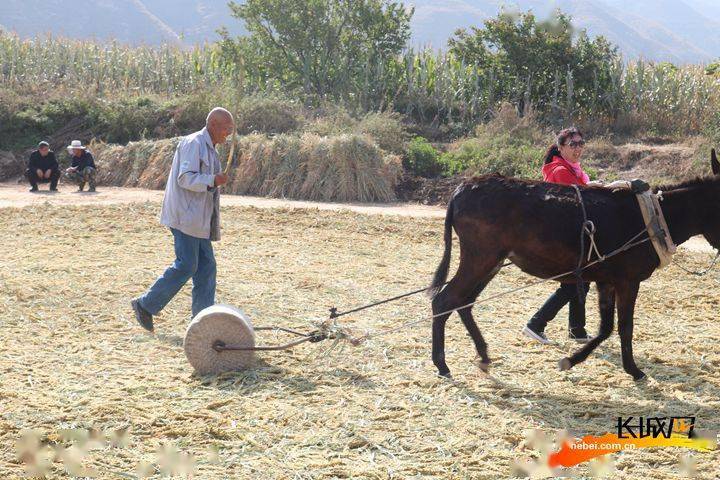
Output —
<point x="185" y="22"/>
<point x="680" y="31"/>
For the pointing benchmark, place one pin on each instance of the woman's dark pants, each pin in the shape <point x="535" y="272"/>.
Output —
<point x="567" y="293"/>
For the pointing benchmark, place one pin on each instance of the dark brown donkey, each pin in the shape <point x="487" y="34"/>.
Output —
<point x="537" y="226"/>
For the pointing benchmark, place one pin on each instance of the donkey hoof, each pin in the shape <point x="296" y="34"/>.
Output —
<point x="640" y="378"/>
<point x="445" y="374"/>
<point x="484" y="366"/>
<point x="564" y="364"/>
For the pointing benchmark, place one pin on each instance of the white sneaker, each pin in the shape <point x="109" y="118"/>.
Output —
<point x="538" y="337"/>
<point x="581" y="339"/>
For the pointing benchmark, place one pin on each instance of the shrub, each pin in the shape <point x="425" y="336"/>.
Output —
<point x="700" y="164"/>
<point x="25" y="119"/>
<point x="127" y="119"/>
<point x="508" y="144"/>
<point x="712" y="129"/>
<point x="501" y="154"/>
<point x="331" y="120"/>
<point x="188" y="113"/>
<point x="422" y="159"/>
<point x="386" y="129"/>
<point x="713" y="69"/>
<point x="630" y="123"/>
<point x="507" y="121"/>
<point x="268" y="115"/>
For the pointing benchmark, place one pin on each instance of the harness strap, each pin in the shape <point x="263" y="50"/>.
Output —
<point x="588" y="228"/>
<point x="653" y="217"/>
<point x="657" y="227"/>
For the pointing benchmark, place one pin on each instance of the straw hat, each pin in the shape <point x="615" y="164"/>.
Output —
<point x="76" y="144"/>
<point x="219" y="323"/>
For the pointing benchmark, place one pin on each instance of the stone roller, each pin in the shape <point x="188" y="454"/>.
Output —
<point x="221" y="338"/>
<point x="211" y="331"/>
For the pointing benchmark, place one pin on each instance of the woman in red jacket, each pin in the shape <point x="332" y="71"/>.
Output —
<point x="562" y="165"/>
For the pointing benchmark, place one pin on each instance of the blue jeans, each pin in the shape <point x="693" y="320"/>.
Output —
<point x="194" y="258"/>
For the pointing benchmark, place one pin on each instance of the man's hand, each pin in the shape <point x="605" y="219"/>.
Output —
<point x="39" y="173"/>
<point x="48" y="173"/>
<point x="71" y="169"/>
<point x="220" y="179"/>
<point x="595" y="183"/>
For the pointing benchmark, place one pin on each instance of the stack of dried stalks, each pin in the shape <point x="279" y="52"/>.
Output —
<point x="341" y="168"/>
<point x="142" y="164"/>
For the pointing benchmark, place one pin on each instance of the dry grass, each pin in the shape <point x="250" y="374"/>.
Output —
<point x="341" y="168"/>
<point x="72" y="357"/>
<point x="144" y="164"/>
<point x="657" y="164"/>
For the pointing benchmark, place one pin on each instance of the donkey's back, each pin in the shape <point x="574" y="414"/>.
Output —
<point x="538" y="225"/>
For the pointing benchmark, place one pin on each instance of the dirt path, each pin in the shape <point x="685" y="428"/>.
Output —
<point x="17" y="195"/>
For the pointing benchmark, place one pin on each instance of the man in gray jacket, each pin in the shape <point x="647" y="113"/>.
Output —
<point x="191" y="209"/>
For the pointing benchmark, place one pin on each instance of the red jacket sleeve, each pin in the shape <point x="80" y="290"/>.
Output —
<point x="562" y="176"/>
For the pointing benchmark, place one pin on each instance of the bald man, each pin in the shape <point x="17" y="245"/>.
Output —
<point x="191" y="210"/>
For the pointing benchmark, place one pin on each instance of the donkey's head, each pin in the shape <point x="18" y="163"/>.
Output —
<point x="711" y="227"/>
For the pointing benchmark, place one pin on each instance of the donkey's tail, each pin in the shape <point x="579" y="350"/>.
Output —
<point x="442" y="270"/>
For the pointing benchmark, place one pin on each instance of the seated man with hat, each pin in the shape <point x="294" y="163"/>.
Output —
<point x="43" y="168"/>
<point x="82" y="169"/>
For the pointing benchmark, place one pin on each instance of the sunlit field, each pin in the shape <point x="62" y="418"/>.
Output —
<point x="72" y="357"/>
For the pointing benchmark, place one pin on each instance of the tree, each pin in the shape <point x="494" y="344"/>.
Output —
<point x="596" y="68"/>
<point x="320" y="46"/>
<point x="538" y="61"/>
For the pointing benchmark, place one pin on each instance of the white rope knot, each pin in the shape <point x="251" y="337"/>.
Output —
<point x="589" y="227"/>
<point x="590" y="230"/>
<point x="659" y="195"/>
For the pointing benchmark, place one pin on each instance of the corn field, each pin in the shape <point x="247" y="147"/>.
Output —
<point x="47" y="62"/>
<point x="669" y="99"/>
<point x="430" y="87"/>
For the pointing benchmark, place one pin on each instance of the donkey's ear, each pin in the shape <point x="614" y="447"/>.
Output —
<point x="714" y="162"/>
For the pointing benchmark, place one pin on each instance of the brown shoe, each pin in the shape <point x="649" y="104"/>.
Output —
<point x="143" y="317"/>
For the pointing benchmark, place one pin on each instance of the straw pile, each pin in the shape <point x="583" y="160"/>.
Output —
<point x="341" y="168"/>
<point x="10" y="166"/>
<point x="73" y="358"/>
<point x="143" y="164"/>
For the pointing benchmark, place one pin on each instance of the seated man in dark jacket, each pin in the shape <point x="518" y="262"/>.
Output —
<point x="43" y="168"/>
<point x="82" y="169"/>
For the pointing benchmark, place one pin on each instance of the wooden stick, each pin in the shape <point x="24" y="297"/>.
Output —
<point x="238" y="94"/>
<point x="232" y="152"/>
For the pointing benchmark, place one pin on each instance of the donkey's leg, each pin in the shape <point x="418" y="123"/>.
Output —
<point x="470" y="324"/>
<point x="438" y="341"/>
<point x="626" y="296"/>
<point x="606" y="303"/>
<point x="468" y="280"/>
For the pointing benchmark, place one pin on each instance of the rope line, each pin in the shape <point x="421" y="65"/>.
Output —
<point x="330" y="329"/>
<point x="334" y="313"/>
<point x="627" y="246"/>
<point x="703" y="272"/>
